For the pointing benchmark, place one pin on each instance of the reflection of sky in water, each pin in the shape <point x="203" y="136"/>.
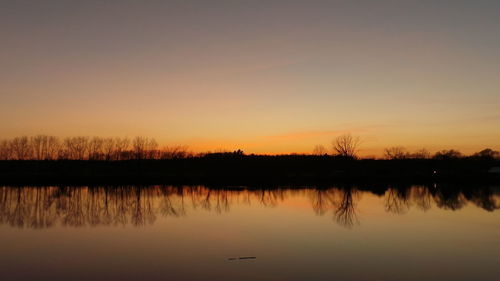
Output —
<point x="189" y="233"/>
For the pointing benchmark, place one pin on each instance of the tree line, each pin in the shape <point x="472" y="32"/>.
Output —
<point x="42" y="147"/>
<point x="399" y="152"/>
<point x="347" y="146"/>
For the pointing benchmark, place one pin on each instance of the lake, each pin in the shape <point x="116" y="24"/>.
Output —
<point x="366" y="232"/>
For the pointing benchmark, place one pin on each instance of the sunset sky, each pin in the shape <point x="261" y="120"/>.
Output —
<point x="261" y="76"/>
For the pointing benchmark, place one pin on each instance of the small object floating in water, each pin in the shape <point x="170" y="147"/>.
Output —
<point x="242" y="258"/>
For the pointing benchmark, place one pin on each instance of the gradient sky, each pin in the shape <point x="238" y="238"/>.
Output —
<point x="263" y="76"/>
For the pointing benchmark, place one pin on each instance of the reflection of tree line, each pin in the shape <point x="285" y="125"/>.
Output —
<point x="40" y="207"/>
<point x="399" y="200"/>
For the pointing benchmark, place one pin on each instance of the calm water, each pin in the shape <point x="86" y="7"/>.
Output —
<point x="191" y="233"/>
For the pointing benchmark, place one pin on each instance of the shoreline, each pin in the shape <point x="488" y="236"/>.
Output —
<point x="247" y="170"/>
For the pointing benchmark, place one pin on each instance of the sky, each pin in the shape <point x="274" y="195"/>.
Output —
<point x="261" y="76"/>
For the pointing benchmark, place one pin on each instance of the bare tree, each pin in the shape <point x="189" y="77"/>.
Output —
<point x="76" y="148"/>
<point x="421" y="154"/>
<point x="44" y="147"/>
<point x="172" y="152"/>
<point x="37" y="144"/>
<point x="122" y="146"/>
<point x="152" y="151"/>
<point x="139" y="147"/>
<point x="319" y="150"/>
<point x="144" y="147"/>
<point x="21" y="148"/>
<point x="53" y="146"/>
<point x="95" y="148"/>
<point x="346" y="145"/>
<point x="396" y="152"/>
<point x="5" y="150"/>
<point x="108" y="148"/>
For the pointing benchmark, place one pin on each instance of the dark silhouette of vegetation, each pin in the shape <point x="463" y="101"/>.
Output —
<point x="448" y="154"/>
<point x="421" y="154"/>
<point x="43" y="147"/>
<point x="399" y="152"/>
<point x="346" y="146"/>
<point x="83" y="160"/>
<point x="76" y="206"/>
<point x="396" y="152"/>
<point x="320" y="150"/>
<point x="487" y="154"/>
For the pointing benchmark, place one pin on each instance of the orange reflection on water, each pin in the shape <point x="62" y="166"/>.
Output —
<point x="41" y="207"/>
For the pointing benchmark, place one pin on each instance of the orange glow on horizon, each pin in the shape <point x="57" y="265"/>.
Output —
<point x="216" y="79"/>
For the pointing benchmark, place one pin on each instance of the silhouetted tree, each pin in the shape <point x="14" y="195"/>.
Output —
<point x="421" y="154"/>
<point x="96" y="148"/>
<point x="139" y="147"/>
<point x="173" y="152"/>
<point x="38" y="146"/>
<point x="447" y="154"/>
<point x="396" y="152"/>
<point x="122" y="146"/>
<point x="5" y="150"/>
<point x="487" y="153"/>
<point x="21" y="149"/>
<point x="108" y="149"/>
<point x="346" y="145"/>
<point x="319" y="150"/>
<point x="76" y="148"/>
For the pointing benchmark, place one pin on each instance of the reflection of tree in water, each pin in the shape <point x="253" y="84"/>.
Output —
<point x="400" y="199"/>
<point x="322" y="200"/>
<point x="34" y="207"/>
<point x="168" y="205"/>
<point x="41" y="207"/>
<point x="346" y="211"/>
<point x="422" y="197"/>
<point x="216" y="200"/>
<point x="26" y="206"/>
<point x="341" y="201"/>
<point x="270" y="197"/>
<point x="483" y="198"/>
<point x="451" y="199"/>
<point x="397" y="200"/>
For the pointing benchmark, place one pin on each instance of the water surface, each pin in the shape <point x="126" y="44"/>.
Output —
<point x="199" y="233"/>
